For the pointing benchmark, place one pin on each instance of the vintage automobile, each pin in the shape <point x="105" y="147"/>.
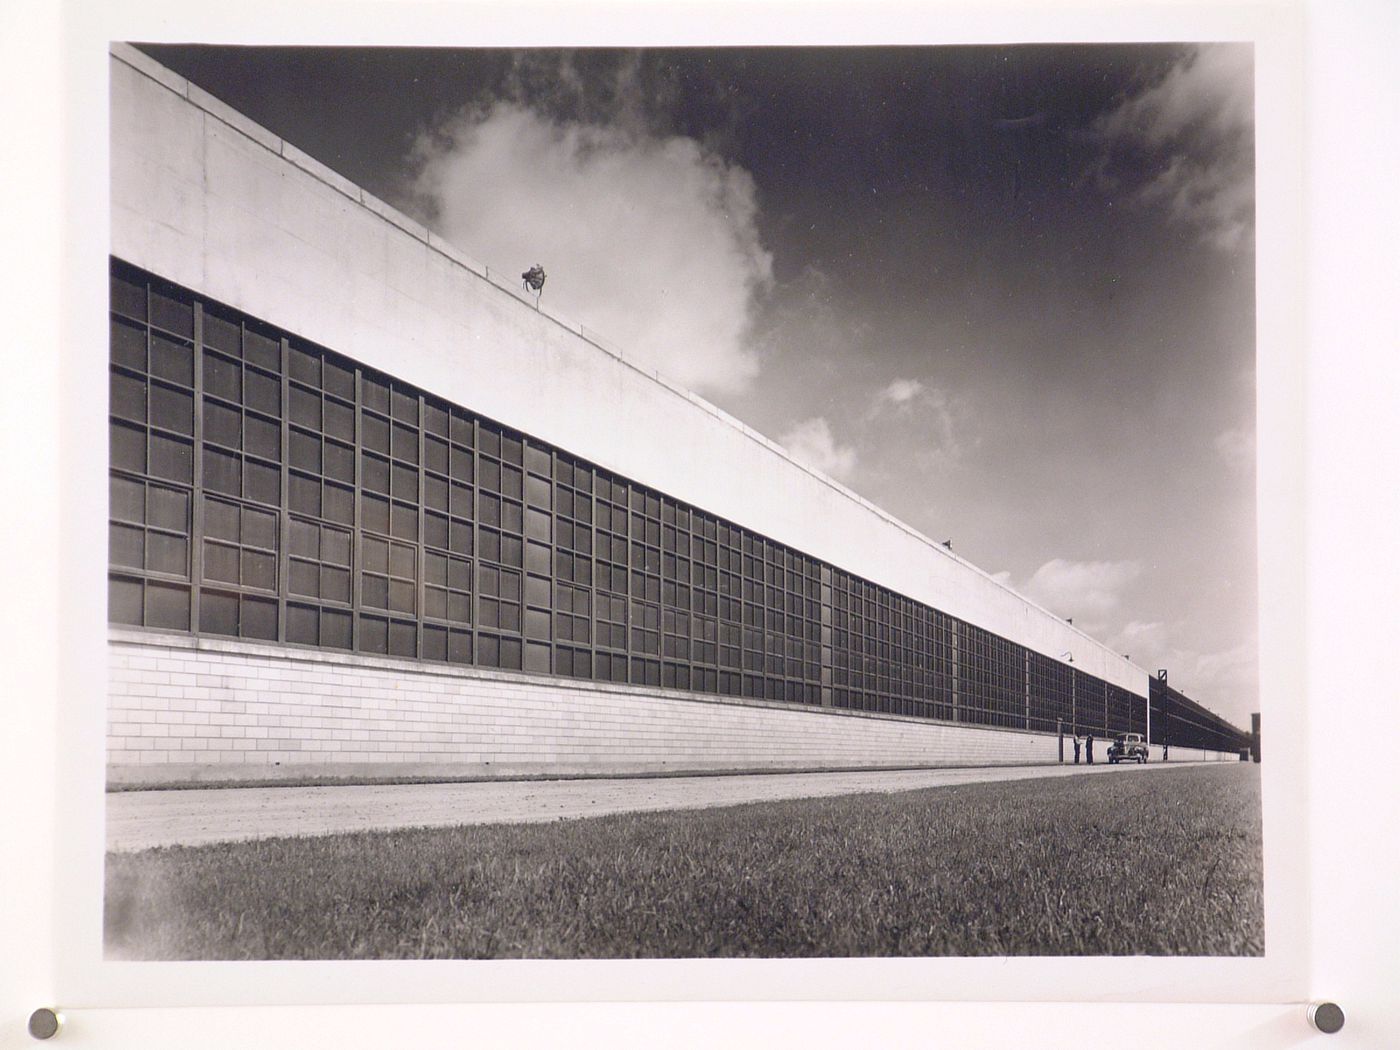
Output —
<point x="1128" y="747"/>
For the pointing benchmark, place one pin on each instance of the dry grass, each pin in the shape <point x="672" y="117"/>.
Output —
<point x="1104" y="865"/>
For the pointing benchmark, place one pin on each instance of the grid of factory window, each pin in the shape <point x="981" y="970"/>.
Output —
<point x="337" y="507"/>
<point x="1178" y="721"/>
<point x="1052" y="694"/>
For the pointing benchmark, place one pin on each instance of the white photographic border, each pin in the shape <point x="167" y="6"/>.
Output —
<point x="1329" y="917"/>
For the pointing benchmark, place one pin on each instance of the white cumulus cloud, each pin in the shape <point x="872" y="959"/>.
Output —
<point x="811" y="442"/>
<point x="1086" y="591"/>
<point x="1193" y="129"/>
<point x="648" y="239"/>
<point x="900" y="392"/>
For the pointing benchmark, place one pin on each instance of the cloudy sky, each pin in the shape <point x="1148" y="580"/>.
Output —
<point x="1006" y="293"/>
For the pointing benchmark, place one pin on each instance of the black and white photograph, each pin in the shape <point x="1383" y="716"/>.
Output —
<point x="699" y="524"/>
<point x="682" y="503"/>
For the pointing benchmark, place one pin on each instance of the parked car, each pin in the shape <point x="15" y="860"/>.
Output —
<point x="1128" y="747"/>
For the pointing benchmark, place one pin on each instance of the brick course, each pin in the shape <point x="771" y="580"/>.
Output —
<point x="184" y="708"/>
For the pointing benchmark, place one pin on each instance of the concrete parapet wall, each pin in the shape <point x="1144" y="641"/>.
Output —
<point x="182" y="708"/>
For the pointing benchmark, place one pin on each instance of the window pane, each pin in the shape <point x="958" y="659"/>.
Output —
<point x="402" y="596"/>
<point x="221" y="520"/>
<point x="536" y="623"/>
<point x="128" y="345"/>
<point x="259" y="528"/>
<point x="166" y="553"/>
<point x="405" y="406"/>
<point x="374" y="513"/>
<point x="538" y="492"/>
<point x="172" y="313"/>
<point x="374" y="591"/>
<point x="374" y="634"/>
<point x="303" y="578"/>
<point x="338" y="379"/>
<point x="302" y="623"/>
<point x="304" y="365"/>
<point x="459" y="574"/>
<point x="461" y="542"/>
<point x="218" y="613"/>
<point x="226" y="334"/>
<point x="374" y="474"/>
<point x="335" y="628"/>
<point x="401" y="560"/>
<point x="461" y="467"/>
<point x="172" y="409"/>
<point x="405" y="443"/>
<point x="339" y="420"/>
<point x="128" y="397"/>
<point x="221" y="471"/>
<point x="537" y="525"/>
<point x="262" y="393"/>
<point x="128" y="448"/>
<point x="259" y="619"/>
<point x="403" y="639"/>
<point x="304" y="407"/>
<point x="335" y="584"/>
<point x="172" y="360"/>
<point x="124" y="601"/>
<point x="220" y="562"/>
<point x="127" y="499"/>
<point x="339" y="462"/>
<point x="262" y="437"/>
<point x="434" y="493"/>
<point x="304" y="495"/>
<point x="335" y="546"/>
<point x="435" y="455"/>
<point x="126" y="546"/>
<point x="222" y="425"/>
<point x="375" y="553"/>
<point x="537" y="657"/>
<point x="128" y="296"/>
<point x="167" y="606"/>
<point x="172" y="458"/>
<point x="262" y="482"/>
<point x="222" y="377"/>
<point x="374" y="433"/>
<point x="435" y="530"/>
<point x="339" y="504"/>
<point x="404" y="522"/>
<point x="262" y="350"/>
<point x="405" y="483"/>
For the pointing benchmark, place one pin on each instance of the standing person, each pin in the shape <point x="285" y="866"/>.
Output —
<point x="1076" y="749"/>
<point x="1089" y="748"/>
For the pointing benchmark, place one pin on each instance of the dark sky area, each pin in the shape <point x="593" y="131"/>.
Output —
<point x="1006" y="293"/>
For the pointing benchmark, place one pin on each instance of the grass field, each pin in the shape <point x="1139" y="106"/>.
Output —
<point x="1167" y="864"/>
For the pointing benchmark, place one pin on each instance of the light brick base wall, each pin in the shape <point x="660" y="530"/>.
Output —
<point x="183" y="709"/>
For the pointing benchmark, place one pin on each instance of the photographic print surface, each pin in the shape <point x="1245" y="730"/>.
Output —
<point x="716" y="502"/>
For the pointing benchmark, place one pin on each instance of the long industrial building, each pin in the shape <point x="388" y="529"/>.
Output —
<point x="374" y="512"/>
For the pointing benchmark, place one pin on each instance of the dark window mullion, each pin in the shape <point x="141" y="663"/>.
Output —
<point x="197" y="490"/>
<point x="419" y="561"/>
<point x="284" y="520"/>
<point x="357" y="516"/>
